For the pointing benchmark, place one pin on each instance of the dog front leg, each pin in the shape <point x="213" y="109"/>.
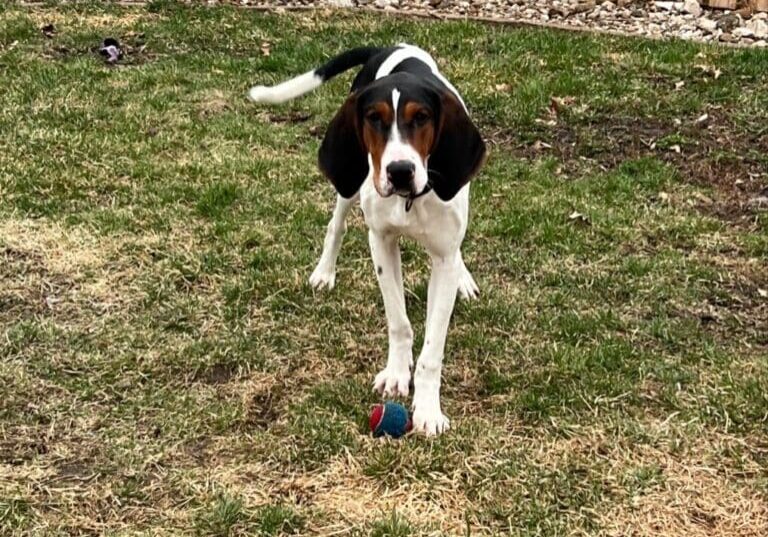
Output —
<point x="395" y="378"/>
<point x="443" y="284"/>
<point x="324" y="274"/>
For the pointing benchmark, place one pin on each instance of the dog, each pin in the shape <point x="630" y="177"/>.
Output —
<point x="404" y="146"/>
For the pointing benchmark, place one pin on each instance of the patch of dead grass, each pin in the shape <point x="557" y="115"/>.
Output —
<point x="348" y="498"/>
<point x="63" y="19"/>
<point x="700" y="491"/>
<point x="49" y="268"/>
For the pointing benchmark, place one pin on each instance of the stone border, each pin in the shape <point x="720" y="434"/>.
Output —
<point x="422" y="14"/>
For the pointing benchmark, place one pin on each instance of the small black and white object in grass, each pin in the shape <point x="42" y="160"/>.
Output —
<point x="110" y="50"/>
<point x="390" y="419"/>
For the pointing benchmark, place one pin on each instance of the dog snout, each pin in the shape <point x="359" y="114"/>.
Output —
<point x="401" y="173"/>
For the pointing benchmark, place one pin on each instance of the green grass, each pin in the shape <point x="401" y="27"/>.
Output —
<point x="167" y="370"/>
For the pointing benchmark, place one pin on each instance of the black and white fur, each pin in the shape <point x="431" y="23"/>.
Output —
<point x="422" y="193"/>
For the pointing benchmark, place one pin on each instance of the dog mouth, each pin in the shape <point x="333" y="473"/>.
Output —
<point x="412" y="193"/>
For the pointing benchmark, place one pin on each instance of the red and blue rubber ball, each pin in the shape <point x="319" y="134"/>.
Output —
<point x="389" y="419"/>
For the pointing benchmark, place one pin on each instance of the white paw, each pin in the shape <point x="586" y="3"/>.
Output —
<point x="393" y="382"/>
<point x="468" y="289"/>
<point x="323" y="277"/>
<point x="427" y="416"/>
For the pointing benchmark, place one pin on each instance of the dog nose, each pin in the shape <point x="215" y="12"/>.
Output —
<point x="400" y="173"/>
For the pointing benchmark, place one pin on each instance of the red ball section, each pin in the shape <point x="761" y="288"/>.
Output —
<point x="377" y="413"/>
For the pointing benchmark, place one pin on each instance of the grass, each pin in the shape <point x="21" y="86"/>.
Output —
<point x="167" y="370"/>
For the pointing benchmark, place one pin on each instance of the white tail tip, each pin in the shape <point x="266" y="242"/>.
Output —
<point x="287" y="90"/>
<point x="262" y="94"/>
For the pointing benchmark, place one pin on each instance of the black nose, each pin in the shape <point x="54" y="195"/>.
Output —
<point x="400" y="174"/>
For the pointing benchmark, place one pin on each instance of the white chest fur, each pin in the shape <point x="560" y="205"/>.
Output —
<point x="437" y="225"/>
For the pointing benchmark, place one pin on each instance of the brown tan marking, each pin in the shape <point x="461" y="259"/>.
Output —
<point x="422" y="136"/>
<point x="375" y="139"/>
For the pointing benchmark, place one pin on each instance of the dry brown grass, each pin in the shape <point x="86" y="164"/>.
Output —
<point x="167" y="370"/>
<point x="98" y="21"/>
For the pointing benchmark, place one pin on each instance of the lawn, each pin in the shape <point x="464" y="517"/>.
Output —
<point x="165" y="368"/>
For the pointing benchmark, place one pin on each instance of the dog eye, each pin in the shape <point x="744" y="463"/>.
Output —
<point x="373" y="117"/>
<point x="420" y="117"/>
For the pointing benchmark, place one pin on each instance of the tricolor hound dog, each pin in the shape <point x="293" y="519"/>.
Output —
<point x="403" y="144"/>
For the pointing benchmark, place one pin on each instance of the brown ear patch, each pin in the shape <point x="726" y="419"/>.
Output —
<point x="376" y="123"/>
<point x="421" y="131"/>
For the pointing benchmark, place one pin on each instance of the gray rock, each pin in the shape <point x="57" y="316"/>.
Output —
<point x="758" y="27"/>
<point x="708" y="25"/>
<point x="742" y="31"/>
<point x="692" y="7"/>
<point x="728" y="22"/>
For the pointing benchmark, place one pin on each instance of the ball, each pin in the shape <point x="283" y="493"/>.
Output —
<point x="389" y="419"/>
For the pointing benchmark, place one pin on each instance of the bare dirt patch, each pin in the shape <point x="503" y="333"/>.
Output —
<point x="714" y="153"/>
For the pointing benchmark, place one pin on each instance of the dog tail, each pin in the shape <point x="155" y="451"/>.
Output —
<point x="295" y="87"/>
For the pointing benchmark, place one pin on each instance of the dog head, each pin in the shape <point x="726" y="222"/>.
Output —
<point x="408" y="133"/>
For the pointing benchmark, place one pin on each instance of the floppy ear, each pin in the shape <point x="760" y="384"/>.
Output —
<point x="458" y="152"/>
<point x="342" y="158"/>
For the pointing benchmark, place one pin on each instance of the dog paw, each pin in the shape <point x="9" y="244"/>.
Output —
<point x="428" y="418"/>
<point x="323" y="277"/>
<point x="391" y="382"/>
<point x="468" y="289"/>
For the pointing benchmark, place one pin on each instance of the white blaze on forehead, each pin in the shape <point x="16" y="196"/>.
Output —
<point x="397" y="149"/>
<point x="394" y="135"/>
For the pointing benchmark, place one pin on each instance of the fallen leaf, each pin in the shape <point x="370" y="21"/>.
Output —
<point x="266" y="47"/>
<point x="763" y="293"/>
<point x="502" y="87"/>
<point x="675" y="148"/>
<point x="709" y="70"/>
<point x="680" y="84"/>
<point x="538" y="145"/>
<point x="579" y="218"/>
<point x="560" y="104"/>
<point x="705" y="200"/>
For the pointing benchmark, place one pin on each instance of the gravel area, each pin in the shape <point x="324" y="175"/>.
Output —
<point x="658" y="19"/>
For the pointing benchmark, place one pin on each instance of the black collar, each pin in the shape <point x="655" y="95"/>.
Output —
<point x="409" y="199"/>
